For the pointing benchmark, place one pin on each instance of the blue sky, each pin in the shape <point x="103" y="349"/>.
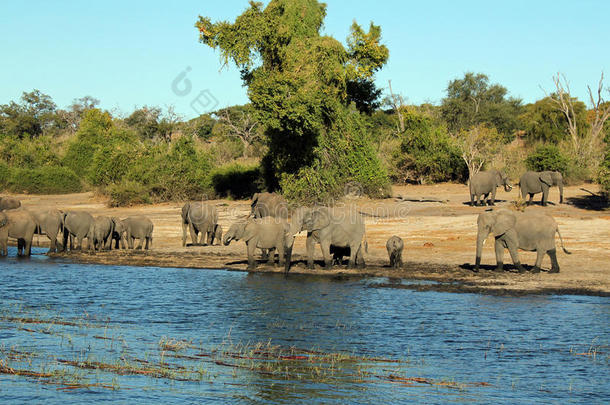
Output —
<point x="127" y="53"/>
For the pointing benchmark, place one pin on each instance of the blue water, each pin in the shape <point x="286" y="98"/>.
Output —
<point x="536" y="349"/>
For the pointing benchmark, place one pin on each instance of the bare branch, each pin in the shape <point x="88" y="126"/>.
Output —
<point x="397" y="104"/>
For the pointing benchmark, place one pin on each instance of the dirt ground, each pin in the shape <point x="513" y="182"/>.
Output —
<point x="439" y="241"/>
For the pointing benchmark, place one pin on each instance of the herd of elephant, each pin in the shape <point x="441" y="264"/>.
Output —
<point x="339" y="231"/>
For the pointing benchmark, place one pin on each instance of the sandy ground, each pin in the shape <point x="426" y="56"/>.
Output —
<point x="439" y="241"/>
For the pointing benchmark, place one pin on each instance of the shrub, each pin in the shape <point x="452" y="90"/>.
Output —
<point x="127" y="193"/>
<point x="4" y="175"/>
<point x="237" y="181"/>
<point x="547" y="157"/>
<point x="28" y="153"/>
<point x="604" y="174"/>
<point x="111" y="163"/>
<point x="45" y="180"/>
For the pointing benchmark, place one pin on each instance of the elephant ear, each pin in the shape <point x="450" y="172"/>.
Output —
<point x="546" y="178"/>
<point x="505" y="220"/>
<point x="318" y="220"/>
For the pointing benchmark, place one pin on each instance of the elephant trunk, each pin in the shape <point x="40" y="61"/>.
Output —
<point x="289" y="241"/>
<point x="227" y="239"/>
<point x="481" y="236"/>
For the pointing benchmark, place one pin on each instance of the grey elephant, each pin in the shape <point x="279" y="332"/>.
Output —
<point x="342" y="227"/>
<point x="118" y="233"/>
<point x="9" y="203"/>
<point x="540" y="182"/>
<point x="262" y="233"/>
<point x="202" y="218"/>
<point x="103" y="230"/>
<point x="20" y="225"/>
<point x="50" y="223"/>
<point x="513" y="230"/>
<point x="395" y="246"/>
<point x="269" y="205"/>
<point x="138" y="227"/>
<point x="482" y="184"/>
<point x="78" y="225"/>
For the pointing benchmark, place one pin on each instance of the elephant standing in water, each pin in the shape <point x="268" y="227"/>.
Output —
<point x="20" y="225"/>
<point x="50" y="223"/>
<point x="9" y="203"/>
<point x="138" y="227"/>
<point x="395" y="246"/>
<point x="201" y="218"/>
<point x="540" y="182"/>
<point x="513" y="230"/>
<point x="482" y="184"/>
<point x="264" y="233"/>
<point x="341" y="227"/>
<point x="78" y="225"/>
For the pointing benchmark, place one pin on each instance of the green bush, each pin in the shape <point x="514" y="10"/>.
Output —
<point x="45" y="180"/>
<point x="237" y="181"/>
<point x="111" y="163"/>
<point x="127" y="193"/>
<point x="429" y="153"/>
<point x="4" y="175"/>
<point x="28" y="153"/>
<point x="547" y="157"/>
<point x="176" y="171"/>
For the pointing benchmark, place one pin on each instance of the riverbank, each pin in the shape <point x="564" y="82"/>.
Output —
<point x="439" y="230"/>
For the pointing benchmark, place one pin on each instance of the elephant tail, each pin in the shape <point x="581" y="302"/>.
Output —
<point x="561" y="240"/>
<point x="366" y="244"/>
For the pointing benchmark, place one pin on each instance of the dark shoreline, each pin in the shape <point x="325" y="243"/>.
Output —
<point x="442" y="278"/>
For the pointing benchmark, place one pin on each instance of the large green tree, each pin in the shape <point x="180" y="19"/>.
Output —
<point x="473" y="101"/>
<point x="29" y="118"/>
<point x="307" y="90"/>
<point x="542" y="121"/>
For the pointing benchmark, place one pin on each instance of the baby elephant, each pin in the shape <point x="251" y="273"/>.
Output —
<point x="395" y="245"/>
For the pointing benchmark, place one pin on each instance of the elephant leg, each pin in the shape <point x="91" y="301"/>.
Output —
<point x="280" y="252"/>
<point x="310" y="245"/>
<point x="264" y="254"/>
<point x="325" y="247"/>
<point x="514" y="254"/>
<point x="360" y="258"/>
<point x="499" y="246"/>
<point x="554" y="263"/>
<point x="193" y="234"/>
<point x="139" y="247"/>
<point x="545" y="196"/>
<point x="184" y="226"/>
<point x="148" y="243"/>
<point x="472" y="203"/>
<point x="539" y="256"/>
<point x="130" y="240"/>
<point x="251" y="247"/>
<point x="493" y="197"/>
<point x="530" y="201"/>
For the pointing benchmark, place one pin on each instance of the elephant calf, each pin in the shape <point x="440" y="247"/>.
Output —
<point x="482" y="184"/>
<point x="395" y="246"/>
<point x="264" y="233"/>
<point x="513" y="230"/>
<point x="9" y="203"/>
<point x="103" y="229"/>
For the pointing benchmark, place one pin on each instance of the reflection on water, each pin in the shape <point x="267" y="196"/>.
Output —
<point x="350" y="343"/>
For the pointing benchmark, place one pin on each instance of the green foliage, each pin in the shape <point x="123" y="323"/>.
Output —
<point x="544" y="122"/>
<point x="4" y="175"/>
<point x="110" y="163"/>
<point x="175" y="171"/>
<point x="301" y="84"/>
<point x="429" y="153"/>
<point x="45" y="180"/>
<point x="547" y="157"/>
<point x="237" y="181"/>
<point x="28" y="153"/>
<point x="473" y="101"/>
<point x="127" y="193"/>
<point x="29" y="118"/>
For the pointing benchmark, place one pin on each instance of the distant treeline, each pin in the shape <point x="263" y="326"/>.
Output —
<point x="152" y="155"/>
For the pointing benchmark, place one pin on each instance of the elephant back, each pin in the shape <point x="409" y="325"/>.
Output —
<point x="199" y="213"/>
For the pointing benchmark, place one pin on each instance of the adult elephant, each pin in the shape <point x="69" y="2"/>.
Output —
<point x="138" y="227"/>
<point x="9" y="203"/>
<point x="79" y="225"/>
<point x="269" y="205"/>
<point x="202" y="218"/>
<point x="515" y="230"/>
<point x="50" y="223"/>
<point x="103" y="230"/>
<point x="264" y="233"/>
<point x="482" y="184"/>
<point x="20" y="225"/>
<point x="341" y="227"/>
<point x="540" y="182"/>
